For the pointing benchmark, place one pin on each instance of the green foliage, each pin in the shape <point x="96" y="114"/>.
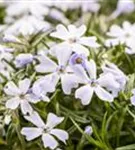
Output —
<point x="113" y="123"/>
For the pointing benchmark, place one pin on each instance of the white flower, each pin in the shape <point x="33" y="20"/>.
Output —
<point x="23" y="59"/>
<point x="118" y="76"/>
<point x="43" y="86"/>
<point x="5" y="71"/>
<point x="5" y="53"/>
<point x="73" y="37"/>
<point x="35" y="8"/>
<point x="130" y="49"/>
<point x="59" y="71"/>
<point x="123" y="7"/>
<point x="88" y="130"/>
<point x="47" y="131"/>
<point x="11" y="38"/>
<point x="65" y="5"/>
<point x="27" y="25"/>
<point x="38" y="9"/>
<point x="133" y="98"/>
<point x="122" y="35"/>
<point x="58" y="15"/>
<point x="92" y="6"/>
<point x="58" y="149"/>
<point x="20" y="95"/>
<point x="92" y="84"/>
<point x="7" y="119"/>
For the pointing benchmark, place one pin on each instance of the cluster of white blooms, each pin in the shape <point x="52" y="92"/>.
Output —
<point x="5" y="69"/>
<point x="122" y="35"/>
<point x="66" y="63"/>
<point x="22" y="19"/>
<point x="90" y="6"/>
<point x="123" y="7"/>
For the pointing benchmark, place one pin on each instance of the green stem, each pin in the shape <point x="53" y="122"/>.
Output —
<point x="89" y="138"/>
<point x="18" y="129"/>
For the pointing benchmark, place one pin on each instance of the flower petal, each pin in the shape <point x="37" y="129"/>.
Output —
<point x="78" y="48"/>
<point x="112" y="42"/>
<point x="31" y="97"/>
<point x="81" y="30"/>
<point x="49" y="141"/>
<point x="72" y="29"/>
<point x="53" y="120"/>
<point x="7" y="119"/>
<point x="46" y="65"/>
<point x="108" y="81"/>
<point x="46" y="98"/>
<point x="63" y="52"/>
<point x="11" y="89"/>
<point x="13" y="103"/>
<point x="68" y="82"/>
<point x="92" y="69"/>
<point x="61" y="32"/>
<point x="89" y="41"/>
<point x="43" y="85"/>
<point x="76" y="32"/>
<point x="115" y="31"/>
<point x="81" y="73"/>
<point x="35" y="119"/>
<point x="103" y="94"/>
<point x="60" y="134"/>
<point x="31" y="133"/>
<point x="84" y="93"/>
<point x="133" y="100"/>
<point x="53" y="78"/>
<point x="26" y="107"/>
<point x="24" y="85"/>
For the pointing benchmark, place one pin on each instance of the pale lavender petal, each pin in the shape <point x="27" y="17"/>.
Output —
<point x="84" y="93"/>
<point x="60" y="134"/>
<point x="53" y="120"/>
<point x="13" y="103"/>
<point x="103" y="94"/>
<point x="49" y="141"/>
<point x="35" y="119"/>
<point x="31" y="132"/>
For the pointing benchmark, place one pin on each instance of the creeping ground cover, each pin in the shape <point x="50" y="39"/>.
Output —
<point x="67" y="75"/>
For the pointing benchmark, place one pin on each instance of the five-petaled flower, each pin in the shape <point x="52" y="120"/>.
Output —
<point x="47" y="131"/>
<point x="122" y="35"/>
<point x="59" y="71"/>
<point x="91" y="84"/>
<point x="73" y="37"/>
<point x="20" y="95"/>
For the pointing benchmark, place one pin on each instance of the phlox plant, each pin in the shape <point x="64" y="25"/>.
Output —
<point x="67" y="75"/>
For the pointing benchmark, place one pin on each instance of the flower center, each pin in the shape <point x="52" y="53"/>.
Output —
<point x="79" y="60"/>
<point x="72" y="40"/>
<point x="61" y="69"/>
<point x="22" y="96"/>
<point x="93" y="82"/>
<point x="127" y="35"/>
<point x="46" y="129"/>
